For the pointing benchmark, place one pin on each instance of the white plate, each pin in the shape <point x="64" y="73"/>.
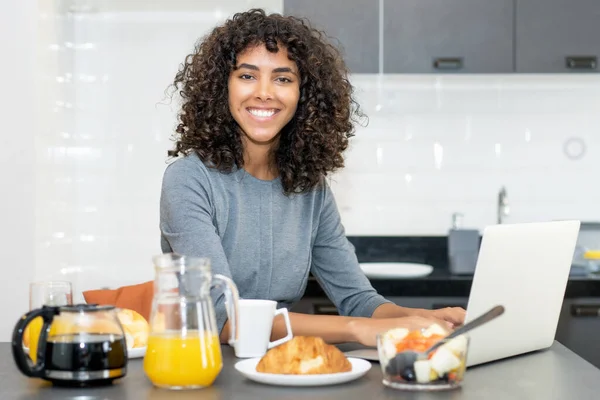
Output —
<point x="395" y="270"/>
<point x="136" y="352"/>
<point x="248" y="369"/>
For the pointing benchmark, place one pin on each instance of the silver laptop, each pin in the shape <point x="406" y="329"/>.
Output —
<point x="525" y="268"/>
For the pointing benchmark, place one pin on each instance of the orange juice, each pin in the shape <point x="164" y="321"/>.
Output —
<point x="176" y="361"/>
<point x="34" y="328"/>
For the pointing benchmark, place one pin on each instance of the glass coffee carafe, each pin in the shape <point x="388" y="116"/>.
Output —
<point x="184" y="350"/>
<point x="78" y="345"/>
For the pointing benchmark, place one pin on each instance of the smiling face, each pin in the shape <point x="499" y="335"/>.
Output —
<point x="263" y="94"/>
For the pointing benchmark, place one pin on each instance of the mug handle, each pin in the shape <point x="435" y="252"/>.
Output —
<point x="23" y="362"/>
<point x="288" y="328"/>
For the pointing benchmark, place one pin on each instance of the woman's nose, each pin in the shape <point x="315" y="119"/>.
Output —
<point x="264" y="90"/>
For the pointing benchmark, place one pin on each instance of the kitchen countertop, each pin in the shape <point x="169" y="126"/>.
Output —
<point x="430" y="250"/>
<point x="556" y="373"/>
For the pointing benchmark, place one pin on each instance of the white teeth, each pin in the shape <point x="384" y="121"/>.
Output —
<point x="261" y="113"/>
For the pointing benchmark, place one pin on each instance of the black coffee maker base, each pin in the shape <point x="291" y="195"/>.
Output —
<point x="82" y="384"/>
<point x="85" y="379"/>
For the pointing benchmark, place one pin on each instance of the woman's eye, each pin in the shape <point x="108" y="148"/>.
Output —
<point x="284" y="79"/>
<point x="246" y="76"/>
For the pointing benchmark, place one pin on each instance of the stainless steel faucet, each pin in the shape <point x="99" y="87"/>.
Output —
<point x="503" y="208"/>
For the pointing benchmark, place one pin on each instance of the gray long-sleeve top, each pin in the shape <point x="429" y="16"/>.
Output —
<point x="265" y="241"/>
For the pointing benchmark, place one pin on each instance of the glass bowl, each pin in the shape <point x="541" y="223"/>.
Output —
<point x="442" y="369"/>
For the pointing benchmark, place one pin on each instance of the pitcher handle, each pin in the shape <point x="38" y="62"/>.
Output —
<point x="231" y="303"/>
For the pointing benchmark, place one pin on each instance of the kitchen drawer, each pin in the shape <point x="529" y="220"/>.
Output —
<point x="579" y="328"/>
<point x="320" y="306"/>
<point x="430" y="303"/>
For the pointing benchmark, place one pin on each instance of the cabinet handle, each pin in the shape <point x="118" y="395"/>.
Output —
<point x="320" y="309"/>
<point x="448" y="63"/>
<point x="581" y="62"/>
<point x="585" y="310"/>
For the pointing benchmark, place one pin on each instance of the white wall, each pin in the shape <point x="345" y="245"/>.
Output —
<point x="17" y="113"/>
<point x="101" y="158"/>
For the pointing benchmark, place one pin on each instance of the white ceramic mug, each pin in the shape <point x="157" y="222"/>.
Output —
<point x="255" y="321"/>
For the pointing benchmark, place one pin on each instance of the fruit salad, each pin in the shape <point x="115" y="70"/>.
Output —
<point x="404" y="364"/>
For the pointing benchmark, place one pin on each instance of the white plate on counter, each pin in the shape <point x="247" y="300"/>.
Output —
<point x="395" y="270"/>
<point x="248" y="369"/>
<point x="136" y="352"/>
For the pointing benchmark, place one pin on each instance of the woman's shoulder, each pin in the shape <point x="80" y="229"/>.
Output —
<point x="191" y="172"/>
<point x="317" y="198"/>
<point x="188" y="171"/>
<point x="185" y="163"/>
<point x="189" y="166"/>
<point x="324" y="188"/>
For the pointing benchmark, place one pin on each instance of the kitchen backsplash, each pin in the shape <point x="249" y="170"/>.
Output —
<point x="434" y="145"/>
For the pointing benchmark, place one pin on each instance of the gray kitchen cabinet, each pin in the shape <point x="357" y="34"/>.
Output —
<point x="316" y="305"/>
<point x="555" y="36"/>
<point x="579" y="328"/>
<point x="354" y="23"/>
<point x="437" y="36"/>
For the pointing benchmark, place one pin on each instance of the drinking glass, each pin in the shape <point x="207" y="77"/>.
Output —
<point x="45" y="293"/>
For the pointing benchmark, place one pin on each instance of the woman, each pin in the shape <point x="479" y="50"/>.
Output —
<point x="267" y="112"/>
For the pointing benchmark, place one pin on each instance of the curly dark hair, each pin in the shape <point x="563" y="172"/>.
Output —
<point x="312" y="143"/>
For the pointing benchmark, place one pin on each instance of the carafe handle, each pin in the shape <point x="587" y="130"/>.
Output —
<point x="231" y="303"/>
<point x="24" y="363"/>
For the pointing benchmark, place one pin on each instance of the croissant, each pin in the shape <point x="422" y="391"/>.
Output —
<point x="304" y="355"/>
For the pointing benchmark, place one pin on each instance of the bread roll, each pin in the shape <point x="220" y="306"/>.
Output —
<point x="304" y="355"/>
<point x="135" y="326"/>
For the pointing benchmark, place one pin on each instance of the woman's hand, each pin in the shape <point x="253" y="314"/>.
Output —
<point x="453" y="315"/>
<point x="365" y="330"/>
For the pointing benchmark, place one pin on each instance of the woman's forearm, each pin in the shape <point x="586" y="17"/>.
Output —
<point x="390" y="310"/>
<point x="332" y="328"/>
<point x="337" y="329"/>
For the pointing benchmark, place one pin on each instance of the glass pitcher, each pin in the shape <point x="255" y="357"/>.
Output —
<point x="183" y="350"/>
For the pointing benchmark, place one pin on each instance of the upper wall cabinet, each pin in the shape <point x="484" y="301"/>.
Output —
<point x="467" y="36"/>
<point x="355" y="23"/>
<point x="460" y="36"/>
<point x="557" y="35"/>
